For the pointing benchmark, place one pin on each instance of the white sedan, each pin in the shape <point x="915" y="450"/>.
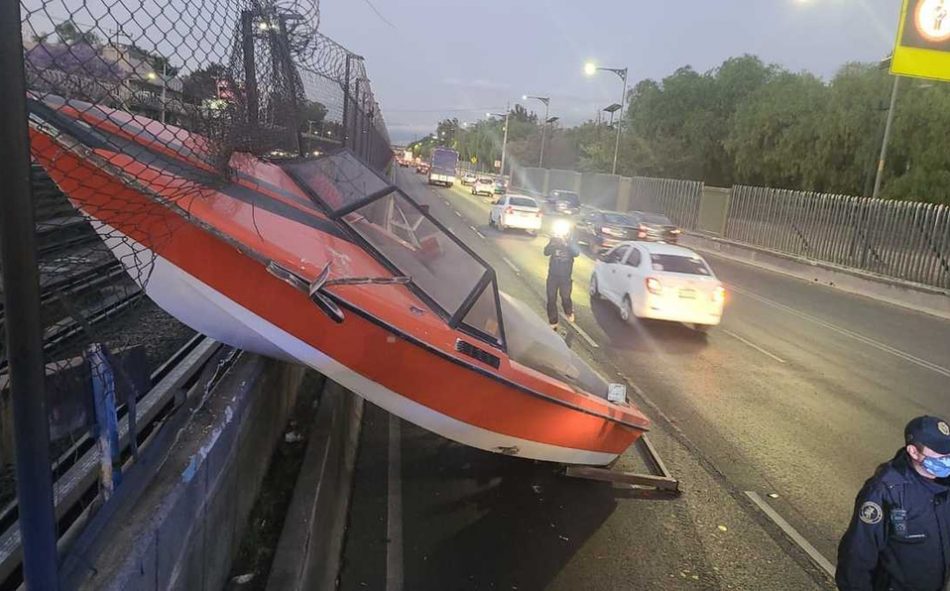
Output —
<point x="515" y="211"/>
<point x="483" y="186"/>
<point x="659" y="281"/>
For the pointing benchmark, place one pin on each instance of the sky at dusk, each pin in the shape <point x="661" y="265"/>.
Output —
<point x="432" y="59"/>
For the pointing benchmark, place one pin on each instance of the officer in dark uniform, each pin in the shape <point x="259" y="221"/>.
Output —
<point x="562" y="251"/>
<point x="899" y="536"/>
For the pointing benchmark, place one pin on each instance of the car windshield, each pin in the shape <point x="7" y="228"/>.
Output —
<point x="674" y="263"/>
<point x="522" y="202"/>
<point x="655" y="218"/>
<point x="485" y="181"/>
<point x="619" y="219"/>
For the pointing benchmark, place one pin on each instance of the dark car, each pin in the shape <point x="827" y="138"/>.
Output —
<point x="655" y="227"/>
<point x="423" y="168"/>
<point x="602" y="230"/>
<point x="561" y="202"/>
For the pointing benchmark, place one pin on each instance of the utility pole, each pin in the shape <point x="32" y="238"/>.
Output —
<point x="879" y="177"/>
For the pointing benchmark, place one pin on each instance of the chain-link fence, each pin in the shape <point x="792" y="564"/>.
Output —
<point x="900" y="239"/>
<point x="134" y="109"/>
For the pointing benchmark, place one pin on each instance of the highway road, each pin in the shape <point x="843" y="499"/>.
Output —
<point x="797" y="396"/>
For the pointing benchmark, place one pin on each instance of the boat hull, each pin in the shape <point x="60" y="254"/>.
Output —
<point x="208" y="283"/>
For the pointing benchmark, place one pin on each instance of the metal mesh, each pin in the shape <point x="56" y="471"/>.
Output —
<point x="900" y="239"/>
<point x="138" y="108"/>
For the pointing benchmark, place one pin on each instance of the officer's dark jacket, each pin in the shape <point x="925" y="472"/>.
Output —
<point x="875" y="555"/>
<point x="562" y="255"/>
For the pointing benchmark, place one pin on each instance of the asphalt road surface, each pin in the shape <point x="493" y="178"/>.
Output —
<point x="797" y="396"/>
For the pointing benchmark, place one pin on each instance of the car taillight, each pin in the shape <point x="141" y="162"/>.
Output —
<point x="509" y="210"/>
<point x="719" y="295"/>
<point x="654" y="286"/>
<point x="641" y="234"/>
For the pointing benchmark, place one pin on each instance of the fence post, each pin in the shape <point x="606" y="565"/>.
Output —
<point x="250" y="73"/>
<point x="34" y="481"/>
<point x="346" y="100"/>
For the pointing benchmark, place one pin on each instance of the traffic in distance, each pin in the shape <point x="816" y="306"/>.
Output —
<point x="639" y="268"/>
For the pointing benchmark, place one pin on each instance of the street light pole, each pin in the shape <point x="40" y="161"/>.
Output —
<point x="504" y="142"/>
<point x="544" y="123"/>
<point x="164" y="87"/>
<point x="879" y="177"/>
<point x="591" y="69"/>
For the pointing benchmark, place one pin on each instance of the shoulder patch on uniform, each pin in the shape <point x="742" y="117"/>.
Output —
<point x="870" y="513"/>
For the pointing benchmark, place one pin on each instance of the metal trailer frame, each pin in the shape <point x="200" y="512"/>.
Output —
<point x="661" y="483"/>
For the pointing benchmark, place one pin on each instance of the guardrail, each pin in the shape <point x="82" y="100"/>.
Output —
<point x="899" y="239"/>
<point x="903" y="240"/>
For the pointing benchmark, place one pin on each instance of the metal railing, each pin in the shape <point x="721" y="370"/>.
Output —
<point x="677" y="199"/>
<point x="899" y="239"/>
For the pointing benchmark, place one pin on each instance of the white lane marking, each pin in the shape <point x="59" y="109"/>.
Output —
<point x="752" y="345"/>
<point x="394" y="578"/>
<point x="848" y="333"/>
<point x="584" y="335"/>
<point x="458" y="214"/>
<point x="792" y="533"/>
<point x="513" y="266"/>
<point x="474" y="229"/>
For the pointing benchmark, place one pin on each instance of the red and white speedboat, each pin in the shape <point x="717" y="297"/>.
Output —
<point x="323" y="262"/>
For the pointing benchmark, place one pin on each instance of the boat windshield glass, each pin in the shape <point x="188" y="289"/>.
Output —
<point x="339" y="180"/>
<point x="438" y="265"/>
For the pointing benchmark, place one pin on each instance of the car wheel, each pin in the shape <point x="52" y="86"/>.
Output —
<point x="626" y="311"/>
<point x="594" y="289"/>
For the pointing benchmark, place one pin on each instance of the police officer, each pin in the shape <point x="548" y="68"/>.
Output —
<point x="899" y="536"/>
<point x="562" y="251"/>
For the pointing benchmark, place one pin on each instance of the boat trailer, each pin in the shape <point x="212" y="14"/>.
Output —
<point x="658" y="484"/>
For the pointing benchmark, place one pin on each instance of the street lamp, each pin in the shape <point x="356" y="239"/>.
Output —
<point x="504" y="142"/>
<point x="590" y="69"/>
<point x="547" y="104"/>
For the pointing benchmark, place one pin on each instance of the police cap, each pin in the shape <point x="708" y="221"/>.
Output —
<point x="929" y="431"/>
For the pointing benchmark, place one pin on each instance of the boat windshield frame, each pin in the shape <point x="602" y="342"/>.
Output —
<point x="454" y="318"/>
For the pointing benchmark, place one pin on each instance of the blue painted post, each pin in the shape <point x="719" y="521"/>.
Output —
<point x="106" y="429"/>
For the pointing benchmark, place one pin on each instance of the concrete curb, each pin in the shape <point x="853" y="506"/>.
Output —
<point x="914" y="296"/>
<point x="311" y="543"/>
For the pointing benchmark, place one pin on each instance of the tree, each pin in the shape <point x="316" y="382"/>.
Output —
<point x="70" y="34"/>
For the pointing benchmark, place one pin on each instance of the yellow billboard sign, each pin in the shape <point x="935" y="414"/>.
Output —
<point x="923" y="40"/>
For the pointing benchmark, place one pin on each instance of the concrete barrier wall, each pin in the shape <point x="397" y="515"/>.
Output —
<point x="600" y="190"/>
<point x="535" y="180"/>
<point x="714" y="210"/>
<point x="182" y="531"/>
<point x="567" y="180"/>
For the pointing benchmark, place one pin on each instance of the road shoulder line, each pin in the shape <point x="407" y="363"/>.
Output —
<point x="752" y="345"/>
<point x="792" y="533"/>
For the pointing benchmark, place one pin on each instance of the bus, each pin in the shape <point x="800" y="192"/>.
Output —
<point x="443" y="164"/>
